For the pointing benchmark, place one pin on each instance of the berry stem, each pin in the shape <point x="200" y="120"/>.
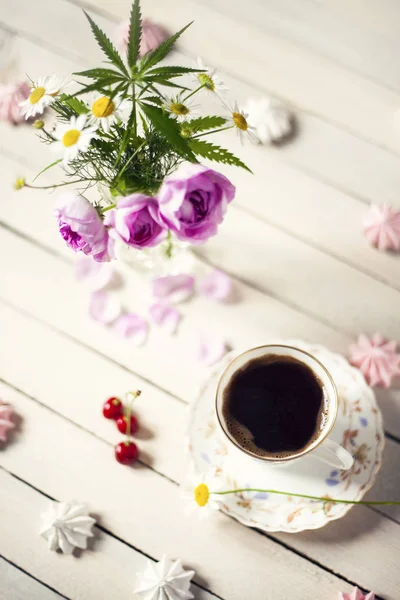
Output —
<point x="128" y="411"/>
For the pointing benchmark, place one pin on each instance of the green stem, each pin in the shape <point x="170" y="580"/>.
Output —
<point x="130" y="160"/>
<point x="213" y="131"/>
<point x="128" y="412"/>
<point x="134" y="109"/>
<point x="170" y="246"/>
<point x="107" y="208"/>
<point x="333" y="500"/>
<point x="194" y="92"/>
<point x="55" y="185"/>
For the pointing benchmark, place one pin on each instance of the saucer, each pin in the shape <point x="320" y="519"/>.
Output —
<point x="358" y="428"/>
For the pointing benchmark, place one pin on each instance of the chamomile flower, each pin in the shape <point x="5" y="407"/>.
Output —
<point x="105" y="111"/>
<point x="198" y="491"/>
<point x="73" y="138"/>
<point x="238" y="118"/>
<point x="179" y="108"/>
<point x="43" y="93"/>
<point x="209" y="79"/>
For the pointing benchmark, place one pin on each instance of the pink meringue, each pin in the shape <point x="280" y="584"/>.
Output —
<point x="376" y="358"/>
<point x="11" y="95"/>
<point x="6" y="422"/>
<point x="356" y="594"/>
<point x="152" y="36"/>
<point x="382" y="227"/>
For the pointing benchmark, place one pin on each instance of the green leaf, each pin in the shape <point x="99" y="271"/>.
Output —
<point x="77" y="105"/>
<point x="100" y="74"/>
<point x="154" y="99"/>
<point x="169" y="128"/>
<point x="171" y="71"/>
<point x="107" y="46"/>
<point x="204" y="123"/>
<point x="216" y="153"/>
<point x="165" y="82"/>
<point x="98" y="86"/>
<point x="135" y="34"/>
<point x="53" y="164"/>
<point x="152" y="58"/>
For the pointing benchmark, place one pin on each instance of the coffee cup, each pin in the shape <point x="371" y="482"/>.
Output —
<point x="277" y="404"/>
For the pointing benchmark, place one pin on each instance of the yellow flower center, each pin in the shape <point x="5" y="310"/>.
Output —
<point x="201" y="494"/>
<point x="207" y="81"/>
<point x="179" y="109"/>
<point x="239" y="121"/>
<point x="71" y="137"/>
<point x="103" y="107"/>
<point x="36" y="94"/>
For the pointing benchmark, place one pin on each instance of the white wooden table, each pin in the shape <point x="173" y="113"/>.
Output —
<point x="293" y="244"/>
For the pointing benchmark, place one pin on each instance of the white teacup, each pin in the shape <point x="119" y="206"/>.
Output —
<point x="321" y="447"/>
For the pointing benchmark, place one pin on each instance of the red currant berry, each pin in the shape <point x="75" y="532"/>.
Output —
<point x="126" y="452"/>
<point x="122" y="424"/>
<point x="112" y="408"/>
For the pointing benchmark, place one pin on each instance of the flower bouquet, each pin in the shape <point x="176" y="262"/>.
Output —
<point x="133" y="132"/>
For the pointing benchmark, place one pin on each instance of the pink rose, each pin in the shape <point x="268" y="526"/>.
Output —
<point x="136" y="220"/>
<point x="193" y="202"/>
<point x="81" y="226"/>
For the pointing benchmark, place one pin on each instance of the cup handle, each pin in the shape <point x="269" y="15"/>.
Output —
<point x="333" y="454"/>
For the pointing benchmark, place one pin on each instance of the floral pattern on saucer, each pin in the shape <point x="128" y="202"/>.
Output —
<point x="358" y="428"/>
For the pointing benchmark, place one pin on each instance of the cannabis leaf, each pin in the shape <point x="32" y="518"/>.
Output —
<point x="77" y="105"/>
<point x="107" y="46"/>
<point x="170" y="71"/>
<point x="216" y="153"/>
<point x="100" y="74"/>
<point x="169" y="129"/>
<point x="135" y="34"/>
<point x="204" y="123"/>
<point x="152" y="58"/>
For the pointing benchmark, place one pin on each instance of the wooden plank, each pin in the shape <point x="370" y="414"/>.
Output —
<point x="61" y="357"/>
<point x="344" y="36"/>
<point x="307" y="80"/>
<point x="144" y="509"/>
<point x="17" y="585"/>
<point x="106" y="570"/>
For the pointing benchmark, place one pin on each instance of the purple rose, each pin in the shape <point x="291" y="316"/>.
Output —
<point x="193" y="202"/>
<point x="81" y="226"/>
<point x="137" y="221"/>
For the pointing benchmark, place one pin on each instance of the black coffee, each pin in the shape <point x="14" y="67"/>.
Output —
<point x="274" y="406"/>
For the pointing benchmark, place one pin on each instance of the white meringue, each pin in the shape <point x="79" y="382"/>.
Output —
<point x="165" y="580"/>
<point x="67" y="525"/>
<point x="271" y="119"/>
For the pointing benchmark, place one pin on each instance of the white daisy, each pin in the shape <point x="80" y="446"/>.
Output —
<point x="238" y="118"/>
<point x="179" y="108"/>
<point x="209" y="79"/>
<point x="198" y="491"/>
<point x="43" y="93"/>
<point x="73" y="138"/>
<point x="105" y="111"/>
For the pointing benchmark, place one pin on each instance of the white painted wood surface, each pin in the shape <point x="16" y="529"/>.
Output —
<point x="301" y="268"/>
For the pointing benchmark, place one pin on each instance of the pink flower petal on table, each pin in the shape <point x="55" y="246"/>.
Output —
<point x="211" y="350"/>
<point x="104" y="307"/>
<point x="382" y="227"/>
<point x="96" y="274"/>
<point x="377" y="359"/>
<point x="6" y="422"/>
<point x="165" y="316"/>
<point x="132" y="326"/>
<point x="216" y="285"/>
<point x="173" y="288"/>
<point x="356" y="594"/>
